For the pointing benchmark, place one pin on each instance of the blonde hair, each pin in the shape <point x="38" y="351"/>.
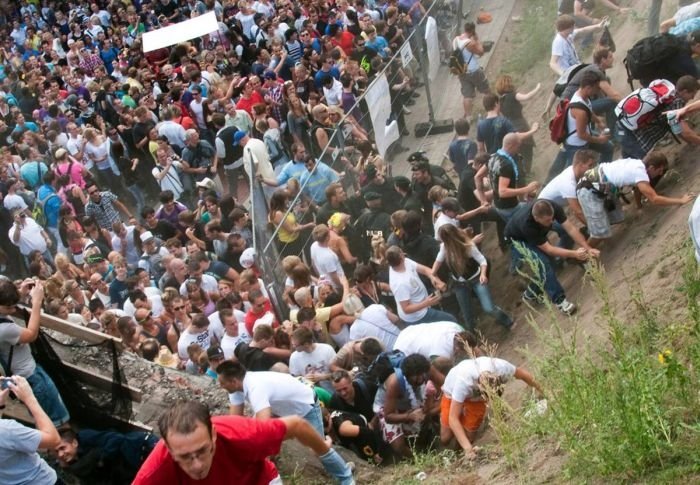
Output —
<point x="289" y="262"/>
<point x="457" y="247"/>
<point x="437" y="193"/>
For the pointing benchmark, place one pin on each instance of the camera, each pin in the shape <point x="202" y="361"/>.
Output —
<point x="5" y="382"/>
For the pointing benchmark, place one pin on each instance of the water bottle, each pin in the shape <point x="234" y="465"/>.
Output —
<point x="674" y="123"/>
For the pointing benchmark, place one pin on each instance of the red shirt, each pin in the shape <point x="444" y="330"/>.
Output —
<point x="252" y="317"/>
<point x="242" y="448"/>
<point x="345" y="42"/>
<point x="247" y="104"/>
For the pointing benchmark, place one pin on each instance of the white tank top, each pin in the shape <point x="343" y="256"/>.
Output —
<point x="471" y="59"/>
<point x="574" y="139"/>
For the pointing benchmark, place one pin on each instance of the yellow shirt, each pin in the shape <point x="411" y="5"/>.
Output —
<point x="288" y="236"/>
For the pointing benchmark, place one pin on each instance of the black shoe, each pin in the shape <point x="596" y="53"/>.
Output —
<point x="415" y="95"/>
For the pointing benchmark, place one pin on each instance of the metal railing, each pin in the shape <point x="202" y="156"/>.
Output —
<point x="448" y="17"/>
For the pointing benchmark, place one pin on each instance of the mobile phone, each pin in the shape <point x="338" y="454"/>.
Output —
<point x="5" y="382"/>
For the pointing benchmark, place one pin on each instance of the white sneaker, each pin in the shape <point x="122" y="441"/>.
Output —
<point x="566" y="307"/>
<point x="406" y="110"/>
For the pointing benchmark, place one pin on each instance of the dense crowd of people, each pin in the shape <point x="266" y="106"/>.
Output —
<point x="126" y="180"/>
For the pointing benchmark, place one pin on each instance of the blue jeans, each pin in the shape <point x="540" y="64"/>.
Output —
<point x="463" y="294"/>
<point x="315" y="419"/>
<point x="46" y="393"/>
<point x="434" y="315"/>
<point x="565" y="241"/>
<point x="138" y="198"/>
<point x="332" y="462"/>
<point x="605" y="107"/>
<point x="629" y="144"/>
<point x="546" y="276"/>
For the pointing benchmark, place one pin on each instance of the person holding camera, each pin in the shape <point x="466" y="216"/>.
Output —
<point x="29" y="236"/>
<point x="15" y="354"/>
<point x="19" y="444"/>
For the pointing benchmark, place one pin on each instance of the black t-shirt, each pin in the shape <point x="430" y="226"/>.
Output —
<point x="364" y="398"/>
<point x="367" y="444"/>
<point x="500" y="166"/>
<point x="164" y="230"/>
<point x="364" y="58"/>
<point x="467" y="186"/>
<point x="253" y="358"/>
<point x="523" y="227"/>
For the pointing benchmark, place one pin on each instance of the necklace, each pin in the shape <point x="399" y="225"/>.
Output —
<point x="372" y="294"/>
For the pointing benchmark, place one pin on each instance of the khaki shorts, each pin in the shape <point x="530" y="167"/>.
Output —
<point x="473" y="81"/>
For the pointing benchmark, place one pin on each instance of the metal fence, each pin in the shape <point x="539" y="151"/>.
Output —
<point x="446" y="16"/>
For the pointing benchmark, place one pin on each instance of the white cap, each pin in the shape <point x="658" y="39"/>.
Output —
<point x="247" y="258"/>
<point x="145" y="236"/>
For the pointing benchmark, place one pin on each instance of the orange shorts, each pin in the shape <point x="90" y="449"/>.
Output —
<point x="473" y="413"/>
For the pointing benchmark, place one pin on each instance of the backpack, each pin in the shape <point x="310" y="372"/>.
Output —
<point x="456" y="63"/>
<point x="640" y="107"/>
<point x="558" y="129"/>
<point x="566" y="77"/>
<point x="38" y="213"/>
<point x="651" y="55"/>
<point x="384" y="365"/>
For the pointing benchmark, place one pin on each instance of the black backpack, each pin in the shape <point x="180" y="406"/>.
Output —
<point x="650" y="57"/>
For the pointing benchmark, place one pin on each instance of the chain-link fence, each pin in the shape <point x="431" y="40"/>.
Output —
<point x="378" y="116"/>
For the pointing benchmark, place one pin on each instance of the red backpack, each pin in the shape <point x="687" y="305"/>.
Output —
<point x="558" y="130"/>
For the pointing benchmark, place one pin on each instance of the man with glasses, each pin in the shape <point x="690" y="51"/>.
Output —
<point x="316" y="178"/>
<point x="328" y="67"/>
<point x="229" y="449"/>
<point x="15" y="353"/>
<point x="104" y="206"/>
<point x="352" y="395"/>
<point x="362" y="54"/>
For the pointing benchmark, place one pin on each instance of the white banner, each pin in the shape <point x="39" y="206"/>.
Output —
<point x="378" y="99"/>
<point x="180" y="32"/>
<point x="433" y="46"/>
<point x="406" y="54"/>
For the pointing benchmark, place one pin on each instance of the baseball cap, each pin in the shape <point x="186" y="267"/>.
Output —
<point x="207" y="183"/>
<point x="215" y="352"/>
<point x="247" y="258"/>
<point x="146" y="236"/>
<point x="402" y="181"/>
<point x="370" y="196"/>
<point x="422" y="165"/>
<point x="269" y="75"/>
<point x="418" y="156"/>
<point x="238" y="136"/>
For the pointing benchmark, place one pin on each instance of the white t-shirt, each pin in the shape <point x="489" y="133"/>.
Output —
<point x="132" y="252"/>
<point x="462" y="382"/>
<point x="171" y="180"/>
<point x="441" y="221"/>
<point x="14" y="201"/>
<point x="154" y="296"/>
<point x="628" y="171"/>
<point x="317" y="361"/>
<point x="186" y="339"/>
<point x="228" y="344"/>
<point x="561" y="187"/>
<point x="694" y="224"/>
<point x="30" y="237"/>
<point x="374" y="322"/>
<point x="260" y="157"/>
<point x="197" y="109"/>
<point x="208" y="284"/>
<point x="564" y="48"/>
<point x="174" y="132"/>
<point x="471" y="59"/>
<point x="428" y="339"/>
<point x="325" y="261"/>
<point x="407" y="286"/>
<point x="282" y="393"/>
<point x="686" y="13"/>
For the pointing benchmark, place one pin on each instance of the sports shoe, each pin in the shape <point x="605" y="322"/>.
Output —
<point x="566" y="307"/>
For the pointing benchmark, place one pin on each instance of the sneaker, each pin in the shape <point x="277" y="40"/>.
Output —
<point x="406" y="110"/>
<point x="566" y="307"/>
